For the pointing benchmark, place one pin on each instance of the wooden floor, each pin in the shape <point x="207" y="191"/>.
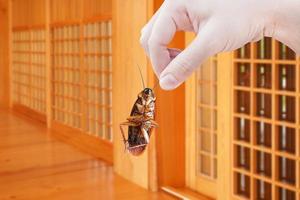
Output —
<point x="35" y="165"/>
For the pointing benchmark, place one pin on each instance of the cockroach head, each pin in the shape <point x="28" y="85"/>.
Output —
<point x="147" y="92"/>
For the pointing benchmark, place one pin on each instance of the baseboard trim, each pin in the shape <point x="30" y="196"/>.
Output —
<point x="88" y="143"/>
<point x="184" y="193"/>
<point x="30" y="113"/>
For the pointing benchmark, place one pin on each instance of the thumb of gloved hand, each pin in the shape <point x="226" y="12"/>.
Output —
<point x="220" y="25"/>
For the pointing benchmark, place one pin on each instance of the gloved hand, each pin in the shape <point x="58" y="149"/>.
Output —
<point x="220" y="25"/>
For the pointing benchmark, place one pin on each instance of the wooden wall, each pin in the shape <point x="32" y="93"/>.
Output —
<point x="28" y="13"/>
<point x="4" y="70"/>
<point x="95" y="7"/>
<point x="32" y="12"/>
<point x="67" y="10"/>
<point x="71" y="10"/>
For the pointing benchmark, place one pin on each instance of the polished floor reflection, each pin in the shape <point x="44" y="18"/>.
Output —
<point x="35" y="165"/>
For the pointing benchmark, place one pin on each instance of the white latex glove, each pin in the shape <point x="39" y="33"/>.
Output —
<point x="220" y="25"/>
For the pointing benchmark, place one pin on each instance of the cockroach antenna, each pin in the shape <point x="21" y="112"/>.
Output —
<point x="141" y="76"/>
<point x="155" y="84"/>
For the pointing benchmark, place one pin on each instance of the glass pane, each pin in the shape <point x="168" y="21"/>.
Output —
<point x="207" y="119"/>
<point x="205" y="165"/>
<point x="205" y="141"/>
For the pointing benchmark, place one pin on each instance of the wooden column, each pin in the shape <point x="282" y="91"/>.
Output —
<point x="4" y="53"/>
<point x="224" y="94"/>
<point x="48" y="64"/>
<point x="129" y="17"/>
<point x="10" y="20"/>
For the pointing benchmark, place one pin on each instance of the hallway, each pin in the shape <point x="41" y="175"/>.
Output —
<point x="34" y="164"/>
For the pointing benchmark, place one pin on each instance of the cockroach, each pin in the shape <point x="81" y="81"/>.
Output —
<point x="140" y="122"/>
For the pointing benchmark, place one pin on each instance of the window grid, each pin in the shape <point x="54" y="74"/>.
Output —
<point x="98" y="81"/>
<point x="265" y="140"/>
<point x="206" y="136"/>
<point x="29" y="69"/>
<point x="66" y="77"/>
<point x="82" y="78"/>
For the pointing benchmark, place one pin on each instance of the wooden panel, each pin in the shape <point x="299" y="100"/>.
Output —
<point x="21" y="67"/>
<point x="28" y="13"/>
<point x="4" y="53"/>
<point x="98" y="78"/>
<point x="201" y="127"/>
<point x="96" y="7"/>
<point x="82" y="76"/>
<point x="206" y="127"/>
<point x="206" y="139"/>
<point x="170" y="137"/>
<point x="82" y="84"/>
<point x="127" y="55"/>
<point x="28" y="69"/>
<point x="66" y="75"/>
<point x="75" y="10"/>
<point x="66" y="10"/>
<point x="171" y="132"/>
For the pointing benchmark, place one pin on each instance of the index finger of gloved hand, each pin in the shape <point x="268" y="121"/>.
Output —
<point x="147" y="29"/>
<point x="162" y="33"/>
<point x="204" y="45"/>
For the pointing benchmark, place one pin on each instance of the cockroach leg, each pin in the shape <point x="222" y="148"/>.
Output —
<point x="145" y="134"/>
<point x="149" y="101"/>
<point x="122" y="131"/>
<point x="128" y="124"/>
<point x="154" y="123"/>
<point x="140" y="107"/>
<point x="124" y="139"/>
<point x="135" y="118"/>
